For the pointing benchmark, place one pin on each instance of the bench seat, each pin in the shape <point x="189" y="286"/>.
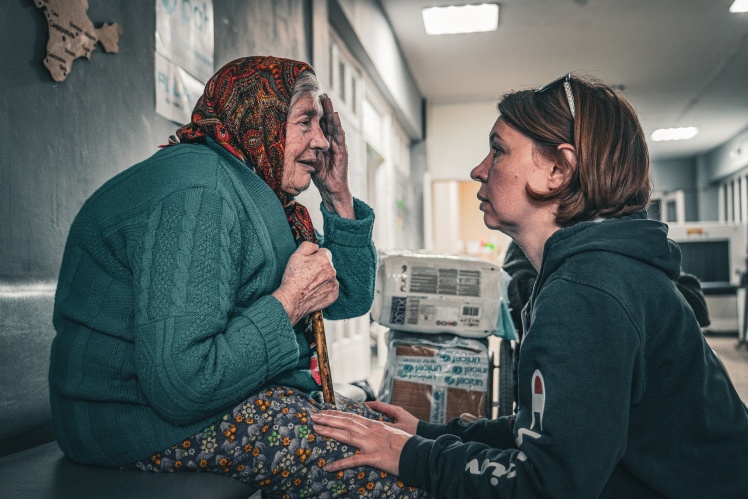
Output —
<point x="31" y="463"/>
<point x="44" y="472"/>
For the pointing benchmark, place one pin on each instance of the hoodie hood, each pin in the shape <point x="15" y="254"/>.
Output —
<point x="633" y="236"/>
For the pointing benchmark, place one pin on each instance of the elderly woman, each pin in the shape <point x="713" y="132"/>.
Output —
<point x="619" y="394"/>
<point x="185" y="290"/>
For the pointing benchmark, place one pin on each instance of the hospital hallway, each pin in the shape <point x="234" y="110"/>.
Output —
<point x="204" y="200"/>
<point x="734" y="358"/>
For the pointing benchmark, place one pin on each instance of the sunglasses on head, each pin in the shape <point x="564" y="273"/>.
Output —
<point x="566" y="79"/>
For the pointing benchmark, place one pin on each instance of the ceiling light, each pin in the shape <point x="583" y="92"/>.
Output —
<point x="682" y="133"/>
<point x="739" y="6"/>
<point x="461" y="19"/>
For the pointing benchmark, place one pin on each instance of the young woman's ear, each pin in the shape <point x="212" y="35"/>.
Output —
<point x="560" y="173"/>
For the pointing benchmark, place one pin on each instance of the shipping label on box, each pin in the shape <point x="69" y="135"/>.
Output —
<point x="434" y="294"/>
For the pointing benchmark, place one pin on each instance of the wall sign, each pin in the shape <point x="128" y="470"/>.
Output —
<point x="176" y="91"/>
<point x="184" y="55"/>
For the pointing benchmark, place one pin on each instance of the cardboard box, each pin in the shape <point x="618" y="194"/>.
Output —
<point x="436" y="377"/>
<point x="428" y="293"/>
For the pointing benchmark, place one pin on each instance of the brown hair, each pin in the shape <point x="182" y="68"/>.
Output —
<point x="611" y="178"/>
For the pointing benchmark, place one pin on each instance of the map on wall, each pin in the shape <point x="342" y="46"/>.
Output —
<point x="72" y="35"/>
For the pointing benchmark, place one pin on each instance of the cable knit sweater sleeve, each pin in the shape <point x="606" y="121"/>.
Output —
<point x="197" y="353"/>
<point x="354" y="257"/>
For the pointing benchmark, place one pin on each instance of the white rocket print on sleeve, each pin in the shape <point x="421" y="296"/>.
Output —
<point x="538" y="398"/>
<point x="498" y="470"/>
<point x="538" y="407"/>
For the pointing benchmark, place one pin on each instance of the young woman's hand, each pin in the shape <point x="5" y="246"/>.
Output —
<point x="331" y="175"/>
<point x="402" y="419"/>
<point x="309" y="282"/>
<point x="380" y="444"/>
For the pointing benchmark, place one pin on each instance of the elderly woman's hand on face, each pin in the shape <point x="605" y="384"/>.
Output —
<point x="309" y="282"/>
<point x="380" y="443"/>
<point x="331" y="174"/>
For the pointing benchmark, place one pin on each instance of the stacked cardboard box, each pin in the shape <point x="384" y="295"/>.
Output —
<point x="426" y="293"/>
<point x="436" y="377"/>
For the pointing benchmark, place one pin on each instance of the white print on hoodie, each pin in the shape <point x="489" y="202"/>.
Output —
<point x="498" y="470"/>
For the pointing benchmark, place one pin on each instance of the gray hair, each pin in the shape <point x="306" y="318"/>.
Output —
<point x="306" y="83"/>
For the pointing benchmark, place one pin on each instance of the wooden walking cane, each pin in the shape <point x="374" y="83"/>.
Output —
<point x="318" y="327"/>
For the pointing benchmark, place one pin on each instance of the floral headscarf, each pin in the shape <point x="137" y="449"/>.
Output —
<point x="244" y="108"/>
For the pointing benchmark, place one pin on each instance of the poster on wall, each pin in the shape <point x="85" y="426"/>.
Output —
<point x="184" y="35"/>
<point x="184" y="55"/>
<point x="176" y="91"/>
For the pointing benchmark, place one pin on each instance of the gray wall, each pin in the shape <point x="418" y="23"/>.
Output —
<point x="713" y="167"/>
<point x="699" y="176"/>
<point x="707" y="192"/>
<point x="418" y="168"/>
<point x="60" y="141"/>
<point x="728" y="158"/>
<point x="677" y="174"/>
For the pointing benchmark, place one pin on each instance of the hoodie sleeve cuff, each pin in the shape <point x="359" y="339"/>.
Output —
<point x="414" y="462"/>
<point x="430" y="430"/>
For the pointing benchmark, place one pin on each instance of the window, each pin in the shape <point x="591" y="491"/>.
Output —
<point x="733" y="198"/>
<point x="345" y="79"/>
<point x="653" y="210"/>
<point x="668" y="207"/>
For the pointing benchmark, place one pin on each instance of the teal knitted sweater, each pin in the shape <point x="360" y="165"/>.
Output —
<point x="164" y="315"/>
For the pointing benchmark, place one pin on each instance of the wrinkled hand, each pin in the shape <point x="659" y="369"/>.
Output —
<point x="331" y="174"/>
<point x="402" y="419"/>
<point x="308" y="283"/>
<point x="380" y="444"/>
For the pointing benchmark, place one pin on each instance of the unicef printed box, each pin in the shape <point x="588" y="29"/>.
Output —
<point x="436" y="377"/>
<point x="428" y="293"/>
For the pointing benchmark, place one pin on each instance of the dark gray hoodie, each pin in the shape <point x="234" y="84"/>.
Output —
<point x="619" y="394"/>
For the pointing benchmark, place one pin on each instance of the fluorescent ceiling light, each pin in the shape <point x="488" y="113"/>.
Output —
<point x="682" y="133"/>
<point x="461" y="19"/>
<point x="739" y="6"/>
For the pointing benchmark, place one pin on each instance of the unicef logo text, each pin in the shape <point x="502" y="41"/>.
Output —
<point x="191" y="12"/>
<point x="462" y="381"/>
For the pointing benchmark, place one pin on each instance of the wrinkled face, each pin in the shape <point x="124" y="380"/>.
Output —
<point x="510" y="166"/>
<point x="304" y="139"/>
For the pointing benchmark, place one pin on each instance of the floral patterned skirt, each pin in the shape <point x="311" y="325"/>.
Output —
<point x="267" y="441"/>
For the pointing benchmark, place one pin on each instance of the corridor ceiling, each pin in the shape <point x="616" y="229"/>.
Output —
<point x="679" y="62"/>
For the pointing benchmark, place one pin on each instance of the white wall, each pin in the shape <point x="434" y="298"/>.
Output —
<point x="458" y="138"/>
<point x="380" y="55"/>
